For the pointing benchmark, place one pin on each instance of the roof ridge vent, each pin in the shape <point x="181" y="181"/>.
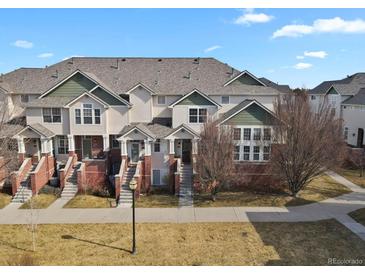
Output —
<point x="115" y="66"/>
<point x="55" y="75"/>
<point x="71" y="61"/>
<point x="230" y="73"/>
<point x="188" y="76"/>
<point x="196" y="60"/>
<point x="159" y="60"/>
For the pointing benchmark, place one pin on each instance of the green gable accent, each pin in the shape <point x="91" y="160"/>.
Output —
<point x="73" y="87"/>
<point x="252" y="116"/>
<point x="195" y="99"/>
<point x="106" y="97"/>
<point x="248" y="80"/>
<point x="332" y="91"/>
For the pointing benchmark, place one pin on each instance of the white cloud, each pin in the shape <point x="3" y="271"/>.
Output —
<point x="316" y="54"/>
<point x="45" y="55"/>
<point x="302" y="66"/>
<point x="212" y="48"/>
<point x="23" y="44"/>
<point x="250" y="17"/>
<point x="332" y="25"/>
<point x="300" y="57"/>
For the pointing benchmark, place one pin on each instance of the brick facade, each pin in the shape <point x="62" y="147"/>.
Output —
<point x="18" y="176"/>
<point x="146" y="171"/>
<point x="96" y="174"/>
<point x="43" y="173"/>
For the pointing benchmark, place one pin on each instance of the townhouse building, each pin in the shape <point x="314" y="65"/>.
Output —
<point x="347" y="99"/>
<point x="89" y="118"/>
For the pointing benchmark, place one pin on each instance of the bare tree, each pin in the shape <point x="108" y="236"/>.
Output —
<point x="308" y="143"/>
<point x="357" y="159"/>
<point x="215" y="156"/>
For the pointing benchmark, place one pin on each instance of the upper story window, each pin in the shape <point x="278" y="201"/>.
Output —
<point x="24" y="98"/>
<point x="197" y="115"/>
<point x="236" y="134"/>
<point x="313" y="97"/>
<point x="267" y="134"/>
<point x="246" y="134"/>
<point x="257" y="134"/>
<point x="161" y="100"/>
<point x="225" y="100"/>
<point x="157" y="146"/>
<point x="88" y="115"/>
<point x="52" y="115"/>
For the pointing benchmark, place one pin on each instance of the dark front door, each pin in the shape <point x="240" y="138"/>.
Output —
<point x="186" y="151"/>
<point x="134" y="152"/>
<point x="360" y="137"/>
<point x="86" y="148"/>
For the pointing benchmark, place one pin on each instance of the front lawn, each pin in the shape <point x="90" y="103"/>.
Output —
<point x="40" y="201"/>
<point x="359" y="216"/>
<point x="305" y="243"/>
<point x="353" y="175"/>
<point x="319" y="189"/>
<point x="90" y="201"/>
<point x="158" y="198"/>
<point x="5" y="199"/>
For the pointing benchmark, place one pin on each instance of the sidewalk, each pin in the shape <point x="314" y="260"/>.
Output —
<point x="337" y="208"/>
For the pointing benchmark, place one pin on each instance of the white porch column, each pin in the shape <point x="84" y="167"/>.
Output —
<point x="21" y="146"/>
<point x="194" y="146"/>
<point x="123" y="147"/>
<point x="106" y="143"/>
<point x="50" y="146"/>
<point x="44" y="145"/>
<point x="71" y="143"/>
<point x="172" y="146"/>
<point x="147" y="147"/>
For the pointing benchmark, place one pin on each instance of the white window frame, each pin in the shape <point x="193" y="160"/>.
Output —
<point x="60" y="122"/>
<point x="164" y="100"/>
<point x="158" y="141"/>
<point x="198" y="109"/>
<point x="93" y="116"/>
<point x="229" y="99"/>
<point x="65" y="144"/>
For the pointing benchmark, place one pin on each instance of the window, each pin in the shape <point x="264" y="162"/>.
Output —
<point x="236" y="134"/>
<point x="266" y="155"/>
<point x="236" y="153"/>
<point x="62" y="145"/>
<point x="88" y="114"/>
<point x="97" y="116"/>
<point x="246" y="153"/>
<point x="157" y="146"/>
<point x="52" y="115"/>
<point x="346" y="133"/>
<point x="313" y="97"/>
<point x="257" y="134"/>
<point x="256" y="153"/>
<point x="24" y="98"/>
<point x="161" y="100"/>
<point x="78" y="116"/>
<point x="267" y="134"/>
<point x="156" y="174"/>
<point x="247" y="134"/>
<point x="197" y="115"/>
<point x="115" y="142"/>
<point x="225" y="100"/>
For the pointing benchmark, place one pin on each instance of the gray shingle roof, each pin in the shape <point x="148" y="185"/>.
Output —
<point x="347" y="86"/>
<point x="153" y="130"/>
<point x="50" y="101"/>
<point x="163" y="75"/>
<point x="42" y="130"/>
<point x="8" y="130"/>
<point x="282" y="88"/>
<point x="358" y="99"/>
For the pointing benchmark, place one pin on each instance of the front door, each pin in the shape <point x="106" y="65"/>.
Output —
<point x="360" y="137"/>
<point x="135" y="152"/>
<point x="86" y="148"/>
<point x="186" y="151"/>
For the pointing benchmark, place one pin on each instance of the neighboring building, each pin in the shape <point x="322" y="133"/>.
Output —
<point x="346" y="96"/>
<point x="95" y="114"/>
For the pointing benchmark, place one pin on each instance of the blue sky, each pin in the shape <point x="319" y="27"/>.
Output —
<point x="294" y="46"/>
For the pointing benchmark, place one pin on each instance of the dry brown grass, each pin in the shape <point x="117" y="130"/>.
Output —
<point x="305" y="243"/>
<point x="158" y="198"/>
<point x="90" y="201"/>
<point x="353" y="175"/>
<point x="319" y="189"/>
<point x="5" y="199"/>
<point x="40" y="201"/>
<point x="359" y="215"/>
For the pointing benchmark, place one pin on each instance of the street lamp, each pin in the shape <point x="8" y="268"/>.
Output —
<point x="133" y="186"/>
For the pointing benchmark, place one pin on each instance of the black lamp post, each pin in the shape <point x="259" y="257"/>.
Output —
<point x="133" y="186"/>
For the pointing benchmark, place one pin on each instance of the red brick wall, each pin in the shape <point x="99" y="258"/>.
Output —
<point x="42" y="173"/>
<point x="95" y="175"/>
<point x="3" y="169"/>
<point x="17" y="177"/>
<point x="177" y="183"/>
<point x="147" y="174"/>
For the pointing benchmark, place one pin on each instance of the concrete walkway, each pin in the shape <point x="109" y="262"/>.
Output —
<point x="337" y="208"/>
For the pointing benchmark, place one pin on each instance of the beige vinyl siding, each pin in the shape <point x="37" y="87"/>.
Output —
<point x="197" y="100"/>
<point x="73" y="87"/>
<point x="253" y="115"/>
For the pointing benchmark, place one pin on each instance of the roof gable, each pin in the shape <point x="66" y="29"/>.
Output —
<point x="88" y="94"/>
<point x="246" y="78"/>
<point x="182" y="129"/>
<point x="195" y="98"/>
<point x="248" y="112"/>
<point x="332" y="90"/>
<point x="107" y="97"/>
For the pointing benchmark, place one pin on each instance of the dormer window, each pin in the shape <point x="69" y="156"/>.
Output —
<point x="161" y="100"/>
